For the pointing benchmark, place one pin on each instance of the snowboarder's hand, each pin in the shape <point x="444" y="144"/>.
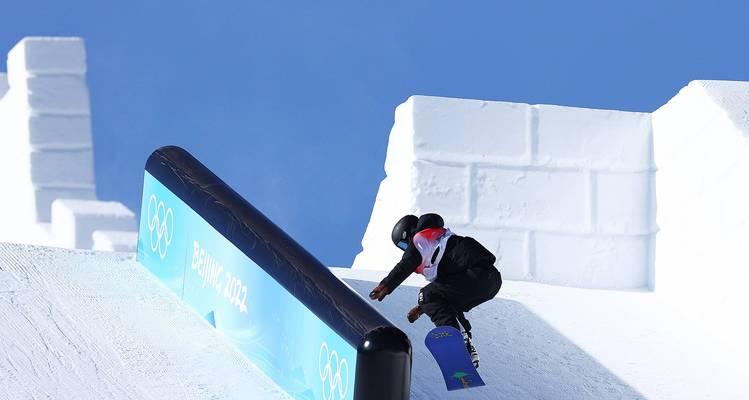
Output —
<point x="414" y="314"/>
<point x="379" y="293"/>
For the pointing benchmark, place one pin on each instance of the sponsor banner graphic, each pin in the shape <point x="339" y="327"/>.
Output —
<point x="268" y="324"/>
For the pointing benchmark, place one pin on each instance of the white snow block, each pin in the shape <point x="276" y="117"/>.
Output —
<point x="623" y="202"/>
<point x="380" y="253"/>
<point x="121" y="241"/>
<point x="60" y="131"/>
<point x="732" y="97"/>
<point x="702" y="152"/>
<point x="59" y="94"/>
<point x="47" y="55"/>
<point x="592" y="262"/>
<point x="531" y="198"/>
<point x="63" y="167"/>
<point x="491" y="167"/>
<point x="510" y="248"/>
<point x="443" y="189"/>
<point x="473" y="128"/>
<point x="43" y="198"/>
<point x="3" y="84"/>
<point x="512" y="255"/>
<point x="74" y="221"/>
<point x="594" y="138"/>
<point x="400" y="151"/>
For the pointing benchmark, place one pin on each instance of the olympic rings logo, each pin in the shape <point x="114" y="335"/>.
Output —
<point x="161" y="225"/>
<point x="331" y="370"/>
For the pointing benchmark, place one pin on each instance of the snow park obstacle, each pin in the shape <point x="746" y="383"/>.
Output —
<point x="282" y="308"/>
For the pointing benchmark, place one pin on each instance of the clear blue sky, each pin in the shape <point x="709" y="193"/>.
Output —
<point x="291" y="102"/>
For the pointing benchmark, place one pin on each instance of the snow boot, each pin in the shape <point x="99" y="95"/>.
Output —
<point x="471" y="350"/>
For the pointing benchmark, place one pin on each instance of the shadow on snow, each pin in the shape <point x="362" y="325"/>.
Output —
<point x="522" y="357"/>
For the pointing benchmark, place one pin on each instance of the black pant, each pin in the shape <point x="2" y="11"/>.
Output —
<point x="446" y="300"/>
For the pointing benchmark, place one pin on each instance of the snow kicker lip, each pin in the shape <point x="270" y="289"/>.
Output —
<point x="382" y="352"/>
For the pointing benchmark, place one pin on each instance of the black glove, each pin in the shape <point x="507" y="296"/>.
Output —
<point x="379" y="292"/>
<point x="414" y="314"/>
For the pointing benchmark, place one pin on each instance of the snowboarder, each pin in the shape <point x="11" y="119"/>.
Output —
<point x="461" y="272"/>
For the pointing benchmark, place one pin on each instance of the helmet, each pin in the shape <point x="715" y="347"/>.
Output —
<point x="403" y="231"/>
<point x="430" y="220"/>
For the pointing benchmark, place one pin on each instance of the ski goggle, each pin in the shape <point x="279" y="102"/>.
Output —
<point x="403" y="245"/>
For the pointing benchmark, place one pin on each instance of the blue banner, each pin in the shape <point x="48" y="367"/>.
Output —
<point x="270" y="326"/>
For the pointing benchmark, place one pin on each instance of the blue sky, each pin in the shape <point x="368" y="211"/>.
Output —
<point x="292" y="102"/>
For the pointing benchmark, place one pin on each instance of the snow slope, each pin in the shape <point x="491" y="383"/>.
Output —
<point x="85" y="325"/>
<point x="539" y="341"/>
<point x="80" y="324"/>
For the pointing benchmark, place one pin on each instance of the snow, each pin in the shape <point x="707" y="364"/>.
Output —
<point x="45" y="122"/>
<point x="120" y="241"/>
<point x="483" y="129"/>
<point x="46" y="146"/>
<point x="524" y="179"/>
<point x="732" y="97"/>
<point x="540" y="341"/>
<point x="49" y="75"/>
<point x="82" y="325"/>
<point x="57" y="94"/>
<point x="703" y="164"/>
<point x="15" y="232"/>
<point x="44" y="197"/>
<point x="74" y="221"/>
<point x="45" y="167"/>
<point x="623" y="201"/>
<point x="443" y="187"/>
<point x="59" y="131"/>
<point x="580" y="212"/>
<point x="3" y="84"/>
<point x="511" y="198"/>
<point x="48" y="55"/>
<point x="595" y="262"/>
<point x="604" y="139"/>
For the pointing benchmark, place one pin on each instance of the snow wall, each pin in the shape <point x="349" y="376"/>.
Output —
<point x="46" y="153"/>
<point x="261" y="289"/>
<point x="702" y="153"/>
<point x="562" y="195"/>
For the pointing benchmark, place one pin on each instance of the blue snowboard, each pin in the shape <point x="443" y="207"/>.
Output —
<point x="448" y="349"/>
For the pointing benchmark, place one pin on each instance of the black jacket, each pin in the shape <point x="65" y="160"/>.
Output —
<point x="461" y="253"/>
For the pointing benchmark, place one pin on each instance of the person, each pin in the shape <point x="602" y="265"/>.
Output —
<point x="460" y="271"/>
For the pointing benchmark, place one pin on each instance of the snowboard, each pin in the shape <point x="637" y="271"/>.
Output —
<point x="448" y="349"/>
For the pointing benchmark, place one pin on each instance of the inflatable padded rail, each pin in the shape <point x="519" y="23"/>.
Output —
<point x="307" y="330"/>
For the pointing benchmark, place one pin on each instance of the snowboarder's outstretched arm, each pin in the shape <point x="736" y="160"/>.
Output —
<point x="407" y="265"/>
<point x="402" y="234"/>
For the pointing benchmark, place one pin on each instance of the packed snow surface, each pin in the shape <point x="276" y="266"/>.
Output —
<point x="79" y="325"/>
<point x="540" y="341"/>
<point x="83" y="325"/>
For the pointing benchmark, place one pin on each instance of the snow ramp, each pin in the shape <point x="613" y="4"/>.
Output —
<point x="539" y="341"/>
<point x="86" y="325"/>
